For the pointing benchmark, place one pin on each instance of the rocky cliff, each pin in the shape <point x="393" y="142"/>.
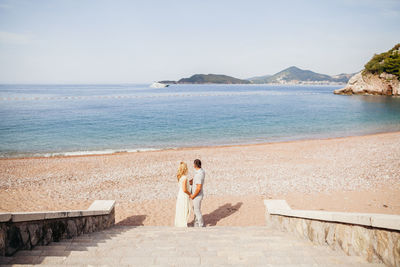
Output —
<point x="371" y="84"/>
<point x="381" y="76"/>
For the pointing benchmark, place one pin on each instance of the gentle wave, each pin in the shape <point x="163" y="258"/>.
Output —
<point x="81" y="153"/>
<point x="250" y="93"/>
<point x="100" y="152"/>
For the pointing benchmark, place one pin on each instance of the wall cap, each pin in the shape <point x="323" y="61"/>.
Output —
<point x="5" y="217"/>
<point x="102" y="205"/>
<point x="98" y="207"/>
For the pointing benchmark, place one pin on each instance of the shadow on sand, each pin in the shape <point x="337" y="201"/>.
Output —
<point x="135" y="220"/>
<point x="222" y="212"/>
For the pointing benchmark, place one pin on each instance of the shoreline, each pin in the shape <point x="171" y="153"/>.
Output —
<point x="151" y="150"/>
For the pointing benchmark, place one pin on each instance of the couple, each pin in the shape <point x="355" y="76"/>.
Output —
<point x="186" y="192"/>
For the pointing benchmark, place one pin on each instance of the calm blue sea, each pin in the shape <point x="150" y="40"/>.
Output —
<point x="87" y="119"/>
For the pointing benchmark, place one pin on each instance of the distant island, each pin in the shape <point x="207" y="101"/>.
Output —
<point x="381" y="76"/>
<point x="295" y="75"/>
<point x="208" y="78"/>
<point x="291" y="75"/>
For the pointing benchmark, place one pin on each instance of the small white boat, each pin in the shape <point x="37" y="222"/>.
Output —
<point x="158" y="85"/>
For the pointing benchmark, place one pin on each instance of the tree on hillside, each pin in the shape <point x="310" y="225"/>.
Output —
<point x="388" y="62"/>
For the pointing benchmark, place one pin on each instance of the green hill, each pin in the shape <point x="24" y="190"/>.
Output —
<point x="259" y="79"/>
<point x="289" y="75"/>
<point x="296" y="75"/>
<point x="209" y="78"/>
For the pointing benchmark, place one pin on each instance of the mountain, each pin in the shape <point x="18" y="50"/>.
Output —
<point x="381" y="76"/>
<point x="295" y="75"/>
<point x="343" y="77"/>
<point x="259" y="79"/>
<point x="208" y="78"/>
<point x="291" y="75"/>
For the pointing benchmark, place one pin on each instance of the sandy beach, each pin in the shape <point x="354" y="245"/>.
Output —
<point x="355" y="174"/>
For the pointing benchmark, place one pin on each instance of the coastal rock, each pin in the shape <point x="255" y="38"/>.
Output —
<point x="381" y="76"/>
<point x="371" y="84"/>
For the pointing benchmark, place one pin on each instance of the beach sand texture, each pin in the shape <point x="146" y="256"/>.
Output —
<point x="355" y="174"/>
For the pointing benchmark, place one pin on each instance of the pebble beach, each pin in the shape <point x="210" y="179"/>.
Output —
<point x="355" y="174"/>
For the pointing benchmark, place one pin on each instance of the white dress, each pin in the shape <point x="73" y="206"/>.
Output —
<point x="182" y="204"/>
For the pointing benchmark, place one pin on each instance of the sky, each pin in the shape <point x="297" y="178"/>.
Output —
<point x="96" y="41"/>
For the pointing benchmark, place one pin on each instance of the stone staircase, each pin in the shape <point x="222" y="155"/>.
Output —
<point x="170" y="246"/>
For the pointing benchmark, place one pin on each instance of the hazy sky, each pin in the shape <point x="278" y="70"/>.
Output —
<point x="94" y="41"/>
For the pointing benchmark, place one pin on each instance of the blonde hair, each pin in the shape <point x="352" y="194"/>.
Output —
<point x="182" y="170"/>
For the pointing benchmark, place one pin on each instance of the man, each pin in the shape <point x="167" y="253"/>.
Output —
<point x="197" y="196"/>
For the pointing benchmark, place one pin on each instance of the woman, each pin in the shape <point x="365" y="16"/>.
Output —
<point x="182" y="202"/>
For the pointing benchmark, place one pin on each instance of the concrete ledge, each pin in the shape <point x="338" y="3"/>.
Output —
<point x="276" y="205"/>
<point x="5" y="217"/>
<point x="280" y="207"/>
<point x="98" y="207"/>
<point x="386" y="221"/>
<point x="102" y="205"/>
<point x="55" y="214"/>
<point x="75" y="213"/>
<point x="27" y="216"/>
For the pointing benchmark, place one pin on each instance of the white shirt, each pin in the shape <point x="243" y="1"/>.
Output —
<point x="199" y="179"/>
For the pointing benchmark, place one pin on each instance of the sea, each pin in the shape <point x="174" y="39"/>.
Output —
<point x="75" y="119"/>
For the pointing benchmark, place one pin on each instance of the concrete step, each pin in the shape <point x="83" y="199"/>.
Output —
<point x="170" y="246"/>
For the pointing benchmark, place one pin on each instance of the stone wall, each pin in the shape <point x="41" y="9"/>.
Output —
<point x="26" y="230"/>
<point x="373" y="243"/>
